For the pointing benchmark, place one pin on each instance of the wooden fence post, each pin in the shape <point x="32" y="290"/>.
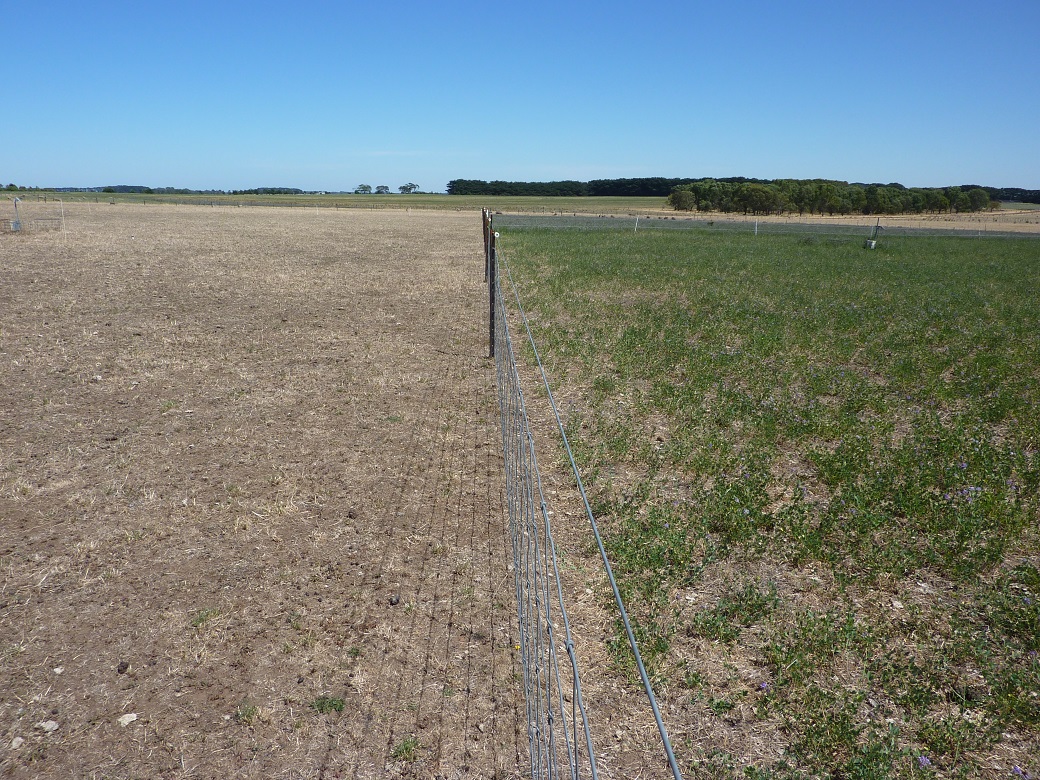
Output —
<point x="492" y="271"/>
<point x="486" y="218"/>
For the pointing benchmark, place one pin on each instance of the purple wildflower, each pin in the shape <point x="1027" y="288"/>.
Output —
<point x="923" y="761"/>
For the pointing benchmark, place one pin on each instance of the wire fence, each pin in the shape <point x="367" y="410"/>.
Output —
<point x="559" y="728"/>
<point x="844" y="229"/>
<point x="33" y="217"/>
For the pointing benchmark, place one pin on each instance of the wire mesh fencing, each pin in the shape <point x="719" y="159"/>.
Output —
<point x="560" y="718"/>
<point x="33" y="216"/>
<point x="559" y="728"/>
<point x="857" y="230"/>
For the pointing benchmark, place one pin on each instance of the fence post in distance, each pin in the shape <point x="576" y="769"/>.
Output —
<point x="486" y="219"/>
<point x="491" y="265"/>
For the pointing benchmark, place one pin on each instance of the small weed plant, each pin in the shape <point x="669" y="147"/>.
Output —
<point x="824" y="459"/>
<point x="247" y="714"/>
<point x="407" y="749"/>
<point x="202" y="617"/>
<point x="326" y="704"/>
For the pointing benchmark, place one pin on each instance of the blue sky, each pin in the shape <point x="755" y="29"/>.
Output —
<point x="324" y="95"/>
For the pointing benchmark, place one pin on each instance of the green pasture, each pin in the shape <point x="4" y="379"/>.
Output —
<point x="821" y="461"/>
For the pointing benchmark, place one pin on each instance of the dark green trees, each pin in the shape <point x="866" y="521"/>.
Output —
<point x="815" y="196"/>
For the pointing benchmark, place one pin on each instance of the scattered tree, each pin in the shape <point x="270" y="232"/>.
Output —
<point x="682" y="200"/>
<point x="363" y="189"/>
<point x="408" y="189"/>
<point x="382" y="189"/>
<point x="978" y="198"/>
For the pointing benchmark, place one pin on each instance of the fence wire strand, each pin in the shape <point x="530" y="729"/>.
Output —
<point x="560" y="742"/>
<point x="835" y="229"/>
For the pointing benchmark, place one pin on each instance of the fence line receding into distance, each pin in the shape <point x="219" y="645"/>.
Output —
<point x="831" y="229"/>
<point x="558" y="721"/>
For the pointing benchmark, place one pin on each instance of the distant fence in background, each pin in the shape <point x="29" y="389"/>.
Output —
<point x="558" y="725"/>
<point x="835" y="228"/>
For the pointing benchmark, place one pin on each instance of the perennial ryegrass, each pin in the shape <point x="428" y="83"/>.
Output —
<point x="822" y="460"/>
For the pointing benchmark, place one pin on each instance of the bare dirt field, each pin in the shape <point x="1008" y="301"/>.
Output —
<point x="250" y="499"/>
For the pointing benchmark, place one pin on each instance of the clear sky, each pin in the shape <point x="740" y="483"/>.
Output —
<point x="329" y="95"/>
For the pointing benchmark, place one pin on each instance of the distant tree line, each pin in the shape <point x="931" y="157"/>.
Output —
<point x="648" y="187"/>
<point x="269" y="191"/>
<point x="1010" y="194"/>
<point x="764" y="196"/>
<point x="137" y="189"/>
<point x="534" y="188"/>
<point x="824" y="197"/>
<point x="735" y="193"/>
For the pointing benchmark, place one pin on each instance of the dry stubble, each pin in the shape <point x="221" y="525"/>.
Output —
<point x="248" y="459"/>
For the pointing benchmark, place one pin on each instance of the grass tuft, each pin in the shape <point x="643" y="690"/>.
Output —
<point x="204" y="616"/>
<point x="407" y="749"/>
<point x="326" y="704"/>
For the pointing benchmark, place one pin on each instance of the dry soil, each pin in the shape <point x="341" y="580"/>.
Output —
<point x="250" y="499"/>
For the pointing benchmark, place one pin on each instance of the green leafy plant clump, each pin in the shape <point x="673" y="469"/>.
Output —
<point x="247" y="713"/>
<point x="327" y="704"/>
<point x="202" y="617"/>
<point x="861" y="428"/>
<point x="407" y="749"/>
